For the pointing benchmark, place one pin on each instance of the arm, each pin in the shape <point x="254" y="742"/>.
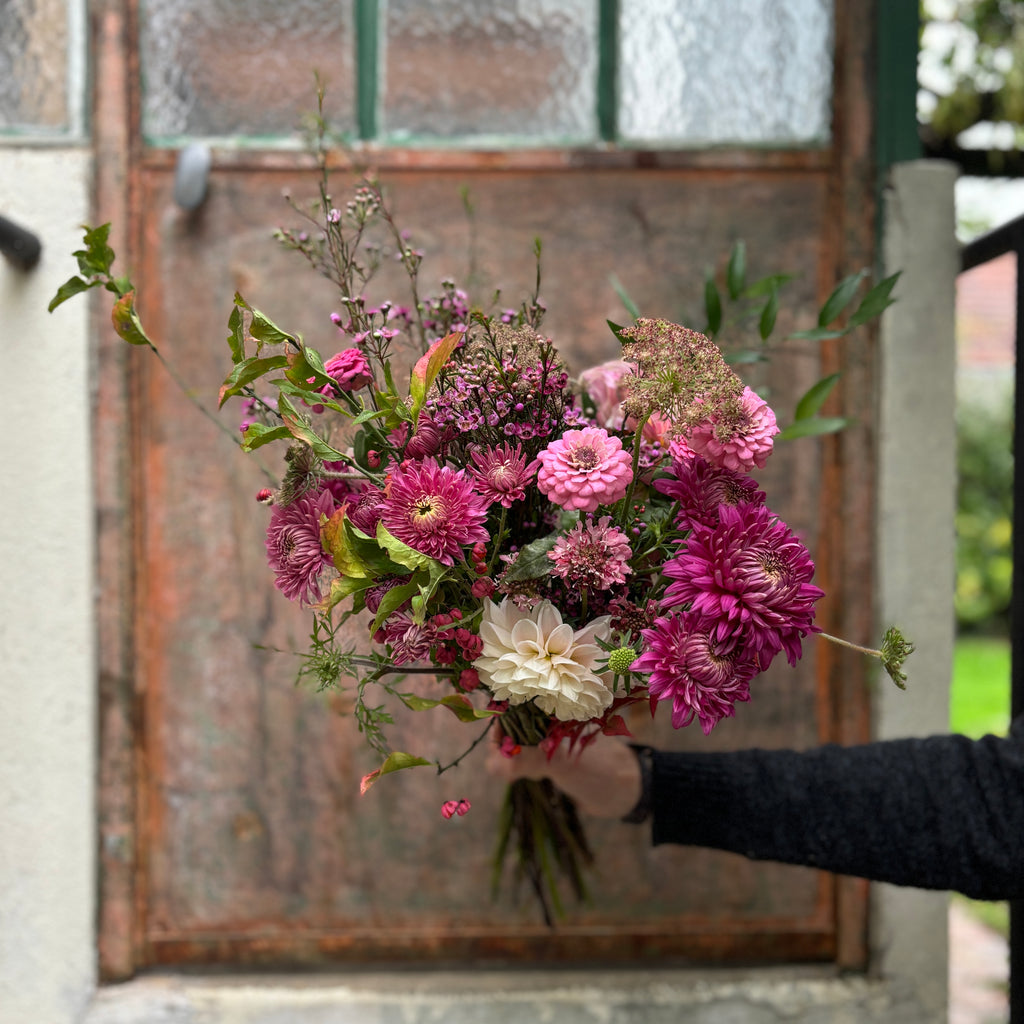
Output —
<point x="939" y="813"/>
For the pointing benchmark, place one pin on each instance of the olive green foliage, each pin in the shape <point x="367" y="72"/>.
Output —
<point x="984" y="513"/>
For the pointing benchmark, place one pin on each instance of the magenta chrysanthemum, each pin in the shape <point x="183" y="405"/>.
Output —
<point x="349" y="369"/>
<point x="702" y="674"/>
<point x="751" y="575"/>
<point x="741" y="448"/>
<point x="293" y="546"/>
<point x="701" y="488"/>
<point x="433" y="509"/>
<point x="594" y="555"/>
<point x="584" y="469"/>
<point x="502" y="473"/>
<point x="409" y="640"/>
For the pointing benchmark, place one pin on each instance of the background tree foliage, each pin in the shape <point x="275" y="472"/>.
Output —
<point x="971" y="74"/>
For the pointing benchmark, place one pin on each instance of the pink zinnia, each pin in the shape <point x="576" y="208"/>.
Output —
<point x="704" y="675"/>
<point x="434" y="509"/>
<point x="293" y="546"/>
<point x="745" y="447"/>
<point x="350" y="370"/>
<point x="700" y="489"/>
<point x="603" y="384"/>
<point x="750" y="575"/>
<point x="502" y="473"/>
<point x="584" y="469"/>
<point x="592" y="555"/>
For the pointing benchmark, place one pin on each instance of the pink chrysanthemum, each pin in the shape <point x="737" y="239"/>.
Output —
<point x="349" y="369"/>
<point x="702" y="674"/>
<point x="293" y="546"/>
<point x="502" y="473"/>
<point x="594" y="555"/>
<point x="584" y="469"/>
<point x="701" y="488"/>
<point x="751" y="575"/>
<point x="364" y="514"/>
<point x="433" y="509"/>
<point x="740" y="449"/>
<point x="409" y="640"/>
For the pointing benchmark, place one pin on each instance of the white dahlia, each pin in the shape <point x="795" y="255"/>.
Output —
<point x="533" y="655"/>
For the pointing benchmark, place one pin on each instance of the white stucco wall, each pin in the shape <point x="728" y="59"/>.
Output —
<point x="47" y="673"/>
<point x="47" y="686"/>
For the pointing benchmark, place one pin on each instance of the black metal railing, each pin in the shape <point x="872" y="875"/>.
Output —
<point x="1006" y="239"/>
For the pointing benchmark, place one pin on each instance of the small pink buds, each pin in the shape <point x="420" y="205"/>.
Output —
<point x="452" y="807"/>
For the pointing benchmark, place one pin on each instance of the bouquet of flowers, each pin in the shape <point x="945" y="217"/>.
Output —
<point x="549" y="549"/>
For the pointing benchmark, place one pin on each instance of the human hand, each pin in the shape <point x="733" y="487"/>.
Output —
<point x="603" y="779"/>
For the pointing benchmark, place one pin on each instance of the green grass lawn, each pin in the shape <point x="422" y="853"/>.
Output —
<point x="980" y="704"/>
<point x="980" y="700"/>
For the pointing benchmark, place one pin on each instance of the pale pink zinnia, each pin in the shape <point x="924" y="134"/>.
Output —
<point x="584" y="469"/>
<point x="502" y="473"/>
<point x="293" y="544"/>
<point x="700" y="489"/>
<point x="702" y="674"/>
<point x="603" y="384"/>
<point x="743" y="447"/>
<point x="594" y="555"/>
<point x="751" y="575"/>
<point x="433" y="509"/>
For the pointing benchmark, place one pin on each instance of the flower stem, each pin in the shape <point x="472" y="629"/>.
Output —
<point x="627" y="502"/>
<point x="852" y="646"/>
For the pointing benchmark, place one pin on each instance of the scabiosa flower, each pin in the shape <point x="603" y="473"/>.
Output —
<point x="701" y="489"/>
<point x="293" y="546"/>
<point x="409" y="640"/>
<point x="349" y="369"/>
<point x="741" y="444"/>
<point x="584" y="469"/>
<point x="534" y="655"/>
<point x="592" y="555"/>
<point x="751" y="575"/>
<point x="502" y="473"/>
<point x="702" y="674"/>
<point x="433" y="509"/>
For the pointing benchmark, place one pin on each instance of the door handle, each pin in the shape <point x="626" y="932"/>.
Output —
<point x="19" y="246"/>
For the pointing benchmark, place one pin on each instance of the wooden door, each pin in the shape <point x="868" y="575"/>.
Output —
<point x="232" y="827"/>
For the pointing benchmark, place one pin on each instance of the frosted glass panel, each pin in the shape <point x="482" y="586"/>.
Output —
<point x="244" y="67"/>
<point x="499" y="68"/>
<point x="719" y="71"/>
<point x="34" y="65"/>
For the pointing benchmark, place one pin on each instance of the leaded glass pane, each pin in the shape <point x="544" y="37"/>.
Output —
<point x="34" y="66"/>
<point x="489" y="69"/>
<point x="694" y="72"/>
<point x="214" y="68"/>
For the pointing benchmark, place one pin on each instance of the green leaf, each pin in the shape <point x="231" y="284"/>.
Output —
<point x="302" y="431"/>
<point x="71" y="287"/>
<point x="745" y="357"/>
<point x="736" y="271"/>
<point x="841" y="296"/>
<point x="245" y="372"/>
<point x="396" y="762"/>
<point x="624" y="298"/>
<point x="533" y="561"/>
<point x="402" y="553"/>
<point x="126" y="321"/>
<point x="875" y="302"/>
<point x="393" y="599"/>
<point x="766" y="285"/>
<point x="813" y="427"/>
<point x="427" y="367"/>
<point x="258" y="434"/>
<point x="815" y="334"/>
<point x="766" y="324"/>
<point x="368" y="414"/>
<point x="457" y="703"/>
<point x="712" y="306"/>
<point x="96" y="258"/>
<point x="617" y="330"/>
<point x="236" y="339"/>
<point x="814" y="398"/>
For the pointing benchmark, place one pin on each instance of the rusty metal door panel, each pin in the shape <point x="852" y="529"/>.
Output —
<point x="255" y="845"/>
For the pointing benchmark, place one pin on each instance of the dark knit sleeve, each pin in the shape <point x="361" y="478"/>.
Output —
<point x="945" y="812"/>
